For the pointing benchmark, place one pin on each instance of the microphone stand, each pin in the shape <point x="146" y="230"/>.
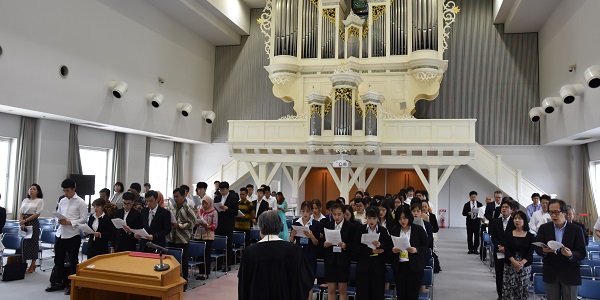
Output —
<point x="161" y="267"/>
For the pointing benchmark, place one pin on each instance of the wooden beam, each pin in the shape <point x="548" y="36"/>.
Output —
<point x="446" y="175"/>
<point x="421" y="176"/>
<point x="333" y="174"/>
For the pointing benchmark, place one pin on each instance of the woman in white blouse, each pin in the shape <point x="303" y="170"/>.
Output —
<point x="117" y="197"/>
<point x="31" y="207"/>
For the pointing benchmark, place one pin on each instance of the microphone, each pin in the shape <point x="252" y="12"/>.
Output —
<point x="157" y="247"/>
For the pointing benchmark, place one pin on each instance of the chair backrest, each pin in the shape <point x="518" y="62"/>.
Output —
<point x="176" y="252"/>
<point x="585" y="270"/>
<point x="320" y="269"/>
<point x="389" y="274"/>
<point x="48" y="236"/>
<point x="220" y="243"/>
<point x="254" y="234"/>
<point x="591" y="262"/>
<point x="427" y="277"/>
<point x="196" y="248"/>
<point x="47" y="227"/>
<point x="10" y="230"/>
<point x="11" y="224"/>
<point x="46" y="220"/>
<point x="597" y="271"/>
<point x="486" y="237"/>
<point x="589" y="288"/>
<point x="536" y="268"/>
<point x="430" y="263"/>
<point x="537" y="259"/>
<point x="239" y="238"/>
<point x="12" y="241"/>
<point x="538" y="284"/>
<point x="84" y="248"/>
<point x="352" y="271"/>
<point x="594" y="255"/>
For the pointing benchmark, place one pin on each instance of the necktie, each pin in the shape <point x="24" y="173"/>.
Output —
<point x="504" y="223"/>
<point x="150" y="217"/>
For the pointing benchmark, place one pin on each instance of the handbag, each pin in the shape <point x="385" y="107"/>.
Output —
<point x="15" y="269"/>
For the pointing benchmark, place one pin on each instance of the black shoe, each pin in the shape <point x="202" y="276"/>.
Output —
<point x="201" y="277"/>
<point x="68" y="290"/>
<point x="475" y="252"/>
<point x="470" y="252"/>
<point x="54" y="288"/>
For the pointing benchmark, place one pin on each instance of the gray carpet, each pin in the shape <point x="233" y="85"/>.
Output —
<point x="463" y="275"/>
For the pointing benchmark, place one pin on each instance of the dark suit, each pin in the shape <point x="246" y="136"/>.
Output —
<point x="123" y="241"/>
<point x="159" y="228"/>
<point x="585" y="238"/>
<point x="339" y="260"/>
<point x="2" y="218"/>
<point x="263" y="206"/>
<point x="227" y="221"/>
<point x="558" y="269"/>
<point x="498" y="235"/>
<point x="472" y="226"/>
<point x="490" y="211"/>
<point x="99" y="245"/>
<point x="370" y="269"/>
<point x="409" y="275"/>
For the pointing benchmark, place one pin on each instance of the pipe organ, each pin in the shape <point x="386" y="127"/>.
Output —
<point x="324" y="54"/>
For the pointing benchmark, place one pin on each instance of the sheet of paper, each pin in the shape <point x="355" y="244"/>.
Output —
<point x="172" y="201"/>
<point x="200" y="221"/>
<point x="500" y="255"/>
<point x="119" y="223"/>
<point x="539" y="244"/>
<point x="300" y="230"/>
<point x="219" y="207"/>
<point x="401" y="243"/>
<point x="369" y="238"/>
<point x="197" y="200"/>
<point x="85" y="228"/>
<point x="555" y="245"/>
<point x="419" y="221"/>
<point x="58" y="215"/>
<point x="142" y="232"/>
<point x="333" y="236"/>
<point x="240" y="214"/>
<point x="481" y="213"/>
<point x="27" y="233"/>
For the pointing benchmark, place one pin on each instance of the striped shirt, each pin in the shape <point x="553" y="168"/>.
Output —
<point x="245" y="222"/>
<point x="186" y="220"/>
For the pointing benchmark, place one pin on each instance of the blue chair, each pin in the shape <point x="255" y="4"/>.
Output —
<point x="351" y="290"/>
<point x="389" y="279"/>
<point x="47" y="227"/>
<point x="538" y="285"/>
<point x="254" y="235"/>
<point x="427" y="282"/>
<point x="178" y="254"/>
<point x="195" y="251"/>
<point x="12" y="224"/>
<point x="586" y="271"/>
<point x="589" y="288"/>
<point x="595" y="255"/>
<point x="537" y="259"/>
<point x="47" y="242"/>
<point x="10" y="242"/>
<point x="10" y="230"/>
<point x="597" y="272"/>
<point x="46" y="221"/>
<point x="536" y="268"/>
<point x="239" y="243"/>
<point x="219" y="247"/>
<point x="84" y="249"/>
<point x="591" y="262"/>
<point x="486" y="243"/>
<point x="289" y="222"/>
<point x="320" y="274"/>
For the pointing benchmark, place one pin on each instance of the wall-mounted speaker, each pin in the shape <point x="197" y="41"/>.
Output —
<point x="84" y="184"/>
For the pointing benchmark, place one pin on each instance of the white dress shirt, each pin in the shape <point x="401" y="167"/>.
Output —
<point x="75" y="210"/>
<point x="272" y="203"/>
<point x="537" y="219"/>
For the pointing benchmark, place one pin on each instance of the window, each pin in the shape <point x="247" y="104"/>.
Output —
<point x="7" y="172"/>
<point x="160" y="173"/>
<point x="595" y="178"/>
<point x="98" y="162"/>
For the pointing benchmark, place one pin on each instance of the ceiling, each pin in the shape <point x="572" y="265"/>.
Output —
<point x="255" y="3"/>
<point x="520" y="16"/>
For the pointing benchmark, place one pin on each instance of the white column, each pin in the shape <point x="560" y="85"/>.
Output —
<point x="262" y="173"/>
<point x="344" y="183"/>
<point x="434" y="188"/>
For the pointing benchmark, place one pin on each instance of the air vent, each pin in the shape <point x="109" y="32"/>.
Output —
<point x="582" y="139"/>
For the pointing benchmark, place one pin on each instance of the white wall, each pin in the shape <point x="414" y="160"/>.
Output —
<point x="594" y="149"/>
<point x="206" y="160"/>
<point x="550" y="168"/>
<point x="10" y="125"/>
<point x="99" y="44"/>
<point x="94" y="137"/>
<point x="569" y="36"/>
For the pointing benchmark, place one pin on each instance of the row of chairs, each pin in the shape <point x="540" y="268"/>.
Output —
<point x="589" y="288"/>
<point x="321" y="289"/>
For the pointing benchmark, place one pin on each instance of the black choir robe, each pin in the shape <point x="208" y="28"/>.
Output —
<point x="274" y="270"/>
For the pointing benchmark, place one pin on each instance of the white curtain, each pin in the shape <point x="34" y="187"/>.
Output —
<point x="25" y="161"/>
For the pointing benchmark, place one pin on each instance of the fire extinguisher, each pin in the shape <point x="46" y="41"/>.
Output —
<point x="442" y="218"/>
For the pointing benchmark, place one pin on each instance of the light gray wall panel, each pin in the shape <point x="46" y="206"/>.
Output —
<point x="491" y="76"/>
<point x="243" y="90"/>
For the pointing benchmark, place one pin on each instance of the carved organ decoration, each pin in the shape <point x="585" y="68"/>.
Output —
<point x="325" y="53"/>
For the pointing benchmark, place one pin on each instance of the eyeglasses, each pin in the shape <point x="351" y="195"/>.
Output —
<point x="555" y="212"/>
<point x="127" y="203"/>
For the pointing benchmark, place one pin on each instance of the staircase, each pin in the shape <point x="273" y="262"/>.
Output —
<point x="500" y="174"/>
<point x="233" y="172"/>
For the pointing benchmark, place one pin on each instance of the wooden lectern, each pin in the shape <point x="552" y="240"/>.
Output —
<point x="121" y="276"/>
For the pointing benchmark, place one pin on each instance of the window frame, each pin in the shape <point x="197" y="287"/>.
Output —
<point x="169" y="183"/>
<point x="109" y="161"/>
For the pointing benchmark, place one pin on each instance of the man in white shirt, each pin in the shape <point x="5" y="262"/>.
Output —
<point x="541" y="216"/>
<point x="251" y="196"/>
<point x="272" y="201"/>
<point x="68" y="239"/>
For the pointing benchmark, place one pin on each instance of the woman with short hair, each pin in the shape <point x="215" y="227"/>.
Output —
<point x="30" y="210"/>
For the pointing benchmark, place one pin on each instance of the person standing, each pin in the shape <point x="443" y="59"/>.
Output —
<point x="117" y="197"/>
<point x="185" y="220"/>
<point x="535" y="206"/>
<point x="492" y="209"/>
<point x="519" y="256"/>
<point x="68" y="239"/>
<point x="30" y="210"/>
<point x="541" y="216"/>
<point x="470" y="212"/>
<point x="338" y="257"/>
<point x="498" y="230"/>
<point x="247" y="208"/>
<point x="123" y="239"/>
<point x="281" y="209"/>
<point x="229" y="203"/>
<point x="571" y="219"/>
<point x="156" y="221"/>
<point x="561" y="266"/>
<point x="206" y="230"/>
<point x="310" y="244"/>
<point x="284" y="263"/>
<point x="103" y="228"/>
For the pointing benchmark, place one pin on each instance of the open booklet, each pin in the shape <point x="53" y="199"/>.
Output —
<point x="554" y="245"/>
<point x="369" y="238"/>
